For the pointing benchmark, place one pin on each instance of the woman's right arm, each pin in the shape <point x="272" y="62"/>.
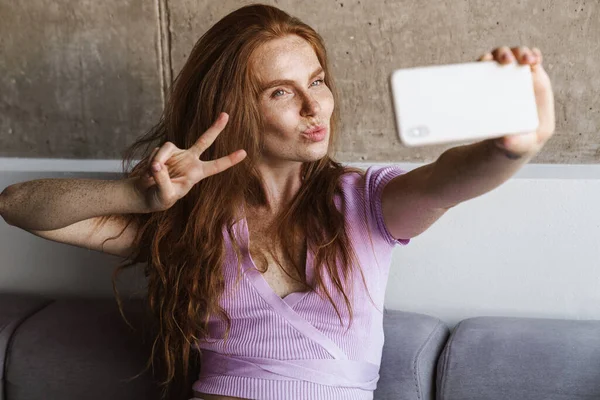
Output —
<point x="69" y="211"/>
<point x="50" y="204"/>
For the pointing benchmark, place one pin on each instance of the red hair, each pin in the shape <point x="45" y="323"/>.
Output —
<point x="183" y="247"/>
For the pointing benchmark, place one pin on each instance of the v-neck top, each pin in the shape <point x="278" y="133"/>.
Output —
<point x="295" y="347"/>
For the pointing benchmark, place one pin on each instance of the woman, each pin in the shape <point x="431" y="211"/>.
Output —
<point x="264" y="255"/>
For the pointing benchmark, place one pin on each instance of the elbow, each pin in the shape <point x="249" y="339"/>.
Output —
<point x="4" y="196"/>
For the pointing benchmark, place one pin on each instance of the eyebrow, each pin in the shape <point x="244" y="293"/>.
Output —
<point x="279" y="82"/>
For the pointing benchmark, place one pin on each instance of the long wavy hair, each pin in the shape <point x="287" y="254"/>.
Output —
<point x="183" y="247"/>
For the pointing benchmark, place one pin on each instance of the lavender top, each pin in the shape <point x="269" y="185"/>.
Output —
<point x="295" y="348"/>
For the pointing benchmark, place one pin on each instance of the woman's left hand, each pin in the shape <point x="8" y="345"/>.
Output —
<point x="528" y="143"/>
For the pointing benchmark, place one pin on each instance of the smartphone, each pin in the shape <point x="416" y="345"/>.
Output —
<point x="463" y="102"/>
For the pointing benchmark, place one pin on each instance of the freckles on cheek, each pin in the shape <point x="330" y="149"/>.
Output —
<point x="271" y="120"/>
<point x="270" y="108"/>
<point x="277" y="117"/>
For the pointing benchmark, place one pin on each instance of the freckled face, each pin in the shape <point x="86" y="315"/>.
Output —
<point x="291" y="107"/>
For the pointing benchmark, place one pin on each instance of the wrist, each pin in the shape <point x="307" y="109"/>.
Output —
<point x="497" y="147"/>
<point x="135" y="199"/>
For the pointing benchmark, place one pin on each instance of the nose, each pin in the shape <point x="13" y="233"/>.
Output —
<point x="310" y="106"/>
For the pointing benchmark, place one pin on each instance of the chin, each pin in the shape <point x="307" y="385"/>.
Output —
<point x="315" y="156"/>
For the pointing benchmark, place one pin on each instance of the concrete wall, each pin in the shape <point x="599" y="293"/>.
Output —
<point x="82" y="79"/>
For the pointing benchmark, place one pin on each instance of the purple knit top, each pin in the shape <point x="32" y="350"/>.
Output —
<point x="295" y="348"/>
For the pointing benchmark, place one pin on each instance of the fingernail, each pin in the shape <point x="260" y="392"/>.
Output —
<point x="156" y="167"/>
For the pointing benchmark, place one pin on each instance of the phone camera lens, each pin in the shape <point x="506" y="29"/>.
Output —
<point x="418" y="131"/>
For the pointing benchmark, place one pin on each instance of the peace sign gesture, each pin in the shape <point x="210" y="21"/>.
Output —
<point x="172" y="172"/>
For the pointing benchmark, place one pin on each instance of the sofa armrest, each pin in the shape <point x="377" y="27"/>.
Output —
<point x="413" y="344"/>
<point x="14" y="309"/>
<point x="498" y="358"/>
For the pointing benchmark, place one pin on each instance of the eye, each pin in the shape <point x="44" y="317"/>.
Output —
<point x="274" y="94"/>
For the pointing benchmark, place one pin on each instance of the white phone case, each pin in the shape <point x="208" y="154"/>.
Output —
<point x="463" y="102"/>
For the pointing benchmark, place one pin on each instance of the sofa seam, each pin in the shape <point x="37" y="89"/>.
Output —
<point x="435" y="329"/>
<point x="447" y="358"/>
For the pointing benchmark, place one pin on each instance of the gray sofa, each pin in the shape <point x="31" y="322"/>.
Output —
<point x="82" y="349"/>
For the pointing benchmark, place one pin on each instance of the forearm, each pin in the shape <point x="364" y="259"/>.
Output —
<point x="465" y="172"/>
<point x="47" y="204"/>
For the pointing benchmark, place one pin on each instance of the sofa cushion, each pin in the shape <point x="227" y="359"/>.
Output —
<point x="413" y="344"/>
<point x="498" y="358"/>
